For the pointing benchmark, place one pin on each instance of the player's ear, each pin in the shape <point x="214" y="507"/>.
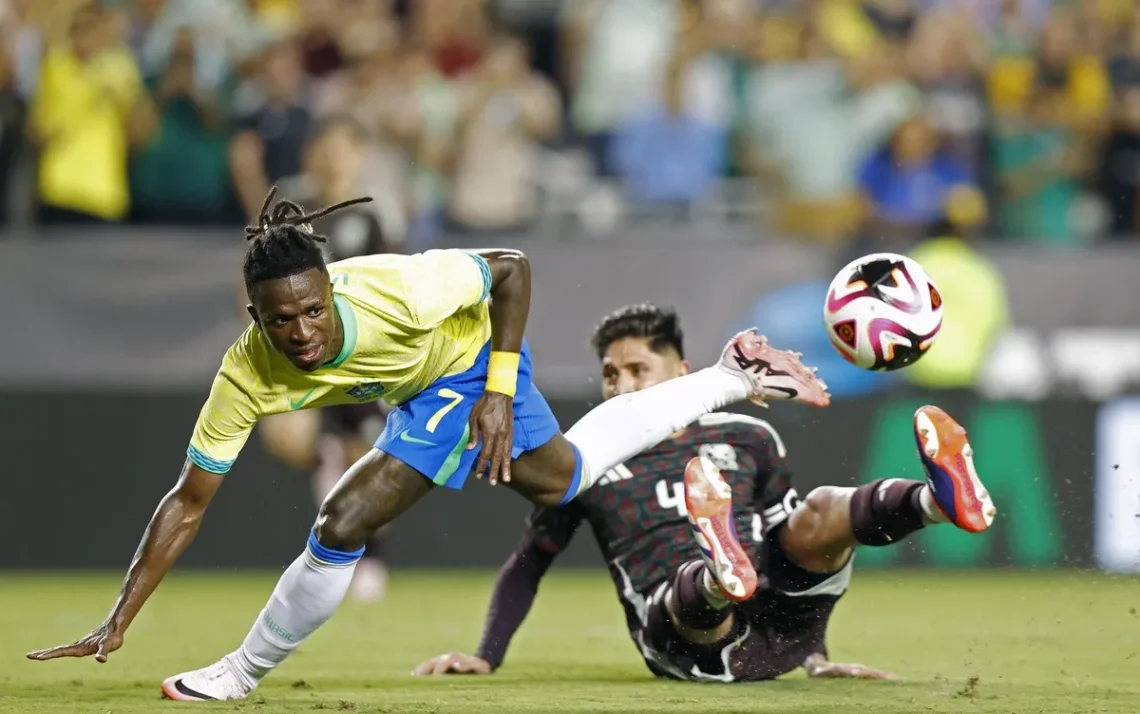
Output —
<point x="253" y="314"/>
<point x="685" y="367"/>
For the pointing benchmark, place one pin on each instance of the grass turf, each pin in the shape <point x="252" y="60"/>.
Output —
<point x="964" y="642"/>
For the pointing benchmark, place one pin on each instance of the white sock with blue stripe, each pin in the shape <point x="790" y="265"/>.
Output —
<point x="622" y="427"/>
<point x="308" y="593"/>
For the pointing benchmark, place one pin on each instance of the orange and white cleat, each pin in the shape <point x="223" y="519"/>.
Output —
<point x="217" y="682"/>
<point x="771" y="373"/>
<point x="708" y="498"/>
<point x="949" y="462"/>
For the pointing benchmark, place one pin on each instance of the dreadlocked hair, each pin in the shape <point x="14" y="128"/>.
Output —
<point x="282" y="243"/>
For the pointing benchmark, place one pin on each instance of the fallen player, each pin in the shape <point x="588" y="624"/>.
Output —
<point x="701" y="604"/>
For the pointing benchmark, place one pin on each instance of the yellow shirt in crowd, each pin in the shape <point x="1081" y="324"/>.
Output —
<point x="80" y="114"/>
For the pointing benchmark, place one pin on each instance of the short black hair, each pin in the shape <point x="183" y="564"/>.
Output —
<point x="660" y="326"/>
<point x="283" y="243"/>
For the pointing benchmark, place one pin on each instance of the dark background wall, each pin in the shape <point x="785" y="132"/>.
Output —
<point x="83" y="471"/>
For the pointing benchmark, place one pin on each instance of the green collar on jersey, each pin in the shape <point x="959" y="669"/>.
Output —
<point x="348" y="324"/>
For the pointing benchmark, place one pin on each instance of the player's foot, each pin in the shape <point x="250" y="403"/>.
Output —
<point x="708" y="498"/>
<point x="771" y="373"/>
<point x="218" y="682"/>
<point x="949" y="463"/>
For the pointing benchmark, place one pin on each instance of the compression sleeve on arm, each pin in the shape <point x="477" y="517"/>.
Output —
<point x="549" y="531"/>
<point x="511" y="600"/>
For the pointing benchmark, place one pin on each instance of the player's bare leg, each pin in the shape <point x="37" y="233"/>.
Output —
<point x="822" y="532"/>
<point x="619" y="428"/>
<point x="336" y="454"/>
<point x="376" y="490"/>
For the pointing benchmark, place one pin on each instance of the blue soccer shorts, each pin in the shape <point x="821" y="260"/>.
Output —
<point x="430" y="431"/>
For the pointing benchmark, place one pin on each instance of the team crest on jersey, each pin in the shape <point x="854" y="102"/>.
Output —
<point x="722" y="455"/>
<point x="366" y="391"/>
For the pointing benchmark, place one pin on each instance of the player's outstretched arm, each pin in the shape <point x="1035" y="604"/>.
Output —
<point x="511" y="600"/>
<point x="171" y="529"/>
<point x="548" y="533"/>
<point x="492" y="417"/>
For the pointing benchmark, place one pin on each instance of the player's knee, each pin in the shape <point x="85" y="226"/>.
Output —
<point x="814" y="516"/>
<point x="374" y="491"/>
<point x="338" y="529"/>
<point x="822" y="500"/>
<point x="546" y="475"/>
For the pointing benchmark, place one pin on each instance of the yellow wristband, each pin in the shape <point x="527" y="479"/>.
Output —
<point x="503" y="372"/>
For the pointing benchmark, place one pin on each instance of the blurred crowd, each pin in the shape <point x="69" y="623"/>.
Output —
<point x="827" y="120"/>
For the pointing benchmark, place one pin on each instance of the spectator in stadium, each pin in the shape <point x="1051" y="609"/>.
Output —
<point x="947" y="60"/>
<point x="181" y="175"/>
<point x="907" y="183"/>
<point x="422" y="120"/>
<point x="614" y="59"/>
<point x="273" y="123"/>
<point x="367" y="89"/>
<point x="223" y="34"/>
<point x="1061" y="66"/>
<point x="675" y="150"/>
<point x="334" y="171"/>
<point x="1039" y="160"/>
<point x="507" y="109"/>
<point x="89" y="109"/>
<point x="813" y="119"/>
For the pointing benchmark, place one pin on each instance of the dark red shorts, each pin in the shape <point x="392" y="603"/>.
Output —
<point x="773" y="633"/>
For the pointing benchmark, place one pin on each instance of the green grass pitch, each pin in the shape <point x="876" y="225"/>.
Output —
<point x="976" y="643"/>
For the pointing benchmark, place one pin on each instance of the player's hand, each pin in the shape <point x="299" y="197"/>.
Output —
<point x="493" y="422"/>
<point x="819" y="667"/>
<point x="102" y="641"/>
<point x="452" y="663"/>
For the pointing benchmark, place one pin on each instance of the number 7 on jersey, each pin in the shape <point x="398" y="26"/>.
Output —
<point x="436" y="418"/>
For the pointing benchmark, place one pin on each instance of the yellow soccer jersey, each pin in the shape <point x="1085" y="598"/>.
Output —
<point x="408" y="320"/>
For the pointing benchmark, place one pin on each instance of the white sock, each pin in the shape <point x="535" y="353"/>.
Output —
<point x="930" y="510"/>
<point x="712" y="593"/>
<point x="307" y="594"/>
<point x="624" y="426"/>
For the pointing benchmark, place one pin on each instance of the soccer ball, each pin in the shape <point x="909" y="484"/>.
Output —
<point x="882" y="312"/>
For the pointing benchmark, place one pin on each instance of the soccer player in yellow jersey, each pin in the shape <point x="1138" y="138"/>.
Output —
<point x="439" y="336"/>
